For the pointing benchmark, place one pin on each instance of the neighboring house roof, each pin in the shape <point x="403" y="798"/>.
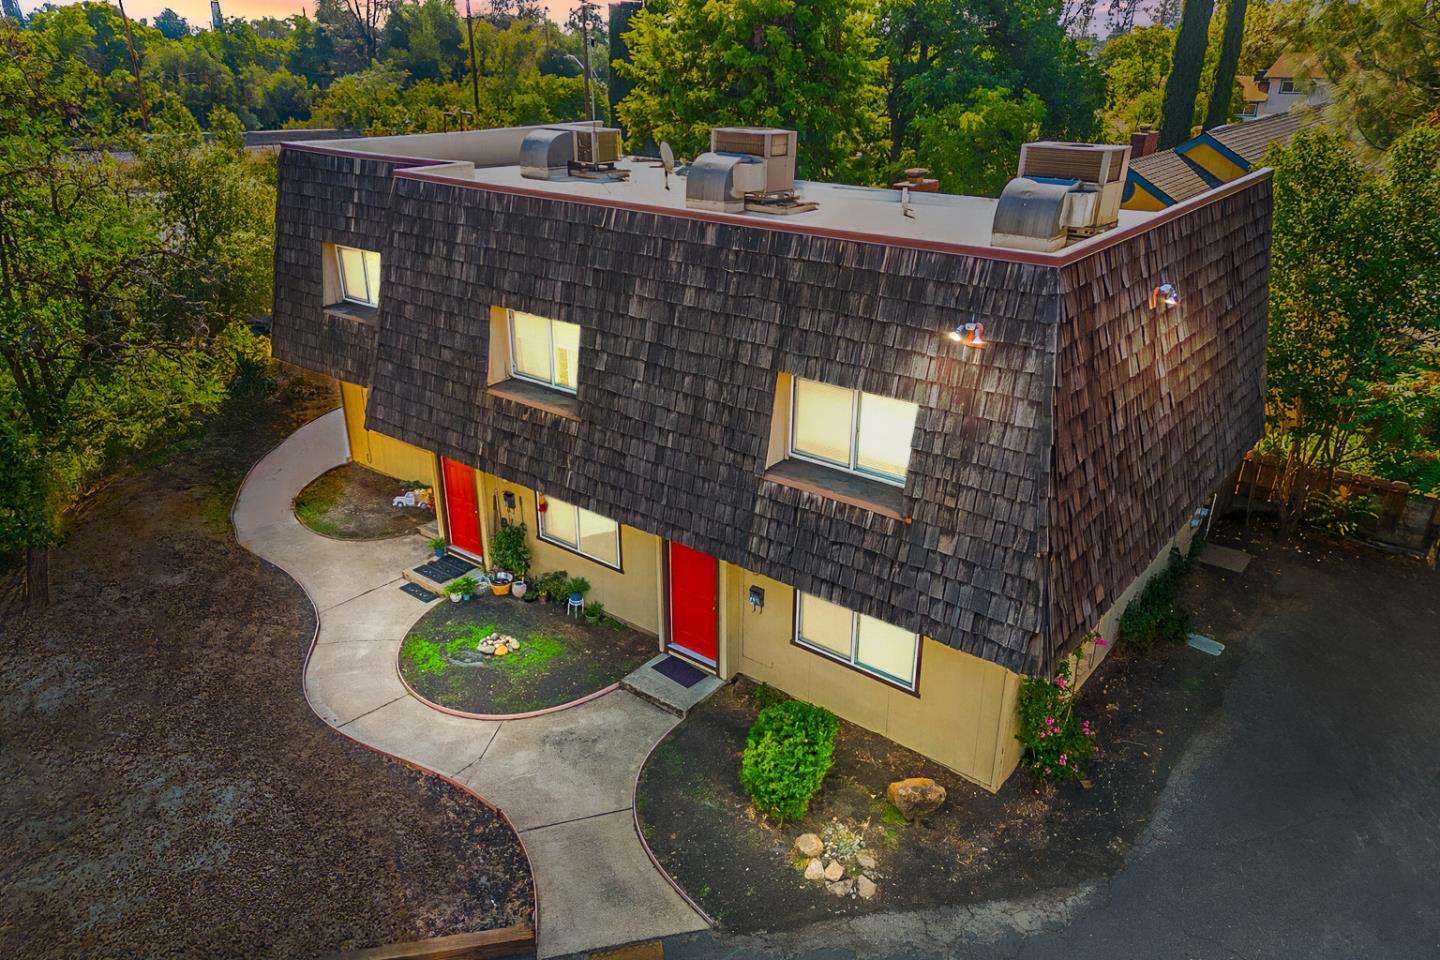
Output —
<point x="1290" y="65"/>
<point x="1253" y="90"/>
<point x="1217" y="156"/>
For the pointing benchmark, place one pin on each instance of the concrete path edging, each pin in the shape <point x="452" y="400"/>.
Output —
<point x="564" y="780"/>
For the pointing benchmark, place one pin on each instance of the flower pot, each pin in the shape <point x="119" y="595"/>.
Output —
<point x="455" y="598"/>
<point x="469" y="597"/>
<point x="519" y="589"/>
<point x="500" y="589"/>
<point x="439" y="552"/>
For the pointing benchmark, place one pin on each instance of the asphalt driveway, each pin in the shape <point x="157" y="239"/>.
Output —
<point x="1304" y="822"/>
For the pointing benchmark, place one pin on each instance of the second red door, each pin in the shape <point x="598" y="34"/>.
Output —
<point x="694" y="624"/>
<point x="462" y="508"/>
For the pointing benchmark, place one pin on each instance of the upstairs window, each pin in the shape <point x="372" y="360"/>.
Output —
<point x="1288" y="86"/>
<point x="544" y="351"/>
<point x="872" y="646"/>
<point x="583" y="531"/>
<point x="359" y="275"/>
<point x="863" y="433"/>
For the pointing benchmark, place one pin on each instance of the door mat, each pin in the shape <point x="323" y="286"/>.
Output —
<point x="674" y="668"/>
<point x="444" y="568"/>
<point x="418" y="592"/>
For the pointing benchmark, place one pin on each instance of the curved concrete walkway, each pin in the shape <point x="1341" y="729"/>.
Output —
<point x="565" y="779"/>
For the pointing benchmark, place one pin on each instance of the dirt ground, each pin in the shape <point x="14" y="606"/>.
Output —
<point x="979" y="846"/>
<point x="560" y="658"/>
<point x="353" y="502"/>
<point x="165" y="790"/>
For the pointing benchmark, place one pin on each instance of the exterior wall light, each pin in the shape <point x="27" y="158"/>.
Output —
<point x="970" y="334"/>
<point x="1167" y="294"/>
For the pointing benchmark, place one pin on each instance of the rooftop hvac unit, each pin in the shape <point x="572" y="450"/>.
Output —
<point x="774" y="146"/>
<point x="720" y="181"/>
<point x="1094" y="173"/>
<point x="557" y="153"/>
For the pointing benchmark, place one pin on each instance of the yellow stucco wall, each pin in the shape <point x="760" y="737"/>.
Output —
<point x="963" y="718"/>
<point x="631" y="594"/>
<point x="394" y="458"/>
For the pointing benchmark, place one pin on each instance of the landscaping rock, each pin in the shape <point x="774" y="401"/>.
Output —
<point x="501" y="650"/>
<point x="814" y="870"/>
<point x="866" y="861"/>
<point x="915" y="797"/>
<point x="487" y="648"/>
<point x="834" y="870"/>
<point x="840" y="888"/>
<point x="809" y="845"/>
<point x="866" y="888"/>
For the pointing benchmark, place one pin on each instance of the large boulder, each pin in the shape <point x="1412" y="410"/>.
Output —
<point x="916" y="796"/>
<point x="809" y="845"/>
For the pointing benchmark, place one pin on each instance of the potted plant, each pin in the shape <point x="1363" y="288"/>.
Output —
<point x="550" y="586"/>
<point x="519" y="589"/>
<point x="500" y="582"/>
<point x="462" y="589"/>
<point x="510" y="552"/>
<point x="438" y="545"/>
<point x="575" y="589"/>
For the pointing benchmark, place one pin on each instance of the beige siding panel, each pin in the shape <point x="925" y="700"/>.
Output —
<point x="959" y="719"/>
<point x="394" y="458"/>
<point x="628" y="594"/>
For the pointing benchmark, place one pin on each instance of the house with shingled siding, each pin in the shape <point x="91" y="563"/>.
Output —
<point x="853" y="448"/>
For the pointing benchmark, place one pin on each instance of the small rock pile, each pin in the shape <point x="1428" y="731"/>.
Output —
<point x="499" y="645"/>
<point x="840" y="861"/>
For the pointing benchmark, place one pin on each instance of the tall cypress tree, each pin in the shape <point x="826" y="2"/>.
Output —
<point x="1178" y="112"/>
<point x="1230" y="42"/>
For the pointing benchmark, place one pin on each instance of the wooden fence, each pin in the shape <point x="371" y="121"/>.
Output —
<point x="516" y="941"/>
<point x="1401" y="517"/>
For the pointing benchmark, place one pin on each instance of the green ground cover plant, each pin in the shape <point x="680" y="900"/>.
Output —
<point x="788" y="751"/>
<point x="1155" y="616"/>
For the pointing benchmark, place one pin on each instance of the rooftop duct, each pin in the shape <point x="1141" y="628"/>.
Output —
<point x="1064" y="192"/>
<point x="720" y="181"/>
<point x="558" y="153"/>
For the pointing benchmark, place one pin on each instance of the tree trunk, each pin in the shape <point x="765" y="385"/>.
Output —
<point x="1230" y="43"/>
<point x="37" y="578"/>
<point x="1181" y="89"/>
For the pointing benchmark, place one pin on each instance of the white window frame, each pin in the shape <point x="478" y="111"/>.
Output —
<point x="854" y="660"/>
<point x="551" y="383"/>
<point x="854" y="465"/>
<point x="576" y="548"/>
<point x="340" y="275"/>
<point x="1289" y="86"/>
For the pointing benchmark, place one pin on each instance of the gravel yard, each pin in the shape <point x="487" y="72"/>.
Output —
<point x="165" y="790"/>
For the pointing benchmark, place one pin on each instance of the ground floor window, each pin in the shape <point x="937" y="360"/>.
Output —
<point x="583" y="531"/>
<point x="865" y="643"/>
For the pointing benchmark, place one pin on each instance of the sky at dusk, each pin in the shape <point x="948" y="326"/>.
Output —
<point x="198" y="11"/>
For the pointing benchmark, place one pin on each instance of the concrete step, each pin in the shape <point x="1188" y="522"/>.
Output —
<point x="431" y="583"/>
<point x="650" y="685"/>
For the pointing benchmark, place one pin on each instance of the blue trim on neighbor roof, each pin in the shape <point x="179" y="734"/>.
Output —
<point x="1211" y="180"/>
<point x="1132" y="178"/>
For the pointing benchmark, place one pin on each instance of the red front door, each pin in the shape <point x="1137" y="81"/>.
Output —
<point x="694" y="626"/>
<point x="462" y="503"/>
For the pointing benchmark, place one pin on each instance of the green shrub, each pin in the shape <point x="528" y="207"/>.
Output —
<point x="510" y="549"/>
<point x="1155" y="616"/>
<point x="765" y="695"/>
<point x="551" y="586"/>
<point x="1341" y="515"/>
<point x="575" y="585"/>
<point x="1055" y="743"/>
<point x="787" y="754"/>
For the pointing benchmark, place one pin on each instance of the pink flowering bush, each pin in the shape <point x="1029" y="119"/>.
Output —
<point x="1056" y="744"/>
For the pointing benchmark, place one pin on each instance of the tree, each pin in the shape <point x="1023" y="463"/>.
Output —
<point x="1354" y="307"/>
<point x="114" y="325"/>
<point x="423" y="38"/>
<point x="171" y="25"/>
<point x="972" y="147"/>
<point x="1136" y="65"/>
<point x="1221" y="92"/>
<point x="1382" y="61"/>
<point x="1183" y="86"/>
<point x="809" y="66"/>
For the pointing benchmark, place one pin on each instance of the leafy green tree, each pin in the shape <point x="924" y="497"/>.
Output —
<point x="1381" y="58"/>
<point x="424" y="38"/>
<point x="312" y="52"/>
<point x="1183" y="85"/>
<point x="171" y="25"/>
<point x="1354" y="308"/>
<point x="809" y="66"/>
<point x="1136" y="65"/>
<point x="972" y="147"/>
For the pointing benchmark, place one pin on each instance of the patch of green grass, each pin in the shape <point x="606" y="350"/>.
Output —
<point x="471" y="638"/>
<point x="538" y="651"/>
<point x="891" y="815"/>
<point x="424" y="656"/>
<point x="315" y="502"/>
<point x="669" y="757"/>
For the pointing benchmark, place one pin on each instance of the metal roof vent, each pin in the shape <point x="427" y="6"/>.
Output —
<point x="560" y="153"/>
<point x="720" y="181"/>
<point x="747" y="168"/>
<point x="1064" y="192"/>
<point x="1031" y="215"/>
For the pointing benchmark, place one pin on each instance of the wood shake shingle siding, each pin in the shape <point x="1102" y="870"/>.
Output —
<point x="1154" y="408"/>
<point x="1048" y="468"/>
<point x="685" y="327"/>
<point x="325" y="199"/>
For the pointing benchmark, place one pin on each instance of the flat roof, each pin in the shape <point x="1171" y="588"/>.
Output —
<point x="488" y="160"/>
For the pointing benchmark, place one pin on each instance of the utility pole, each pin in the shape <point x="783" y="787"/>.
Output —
<point x="135" y="67"/>
<point x="474" y="74"/>
<point x="585" y="6"/>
